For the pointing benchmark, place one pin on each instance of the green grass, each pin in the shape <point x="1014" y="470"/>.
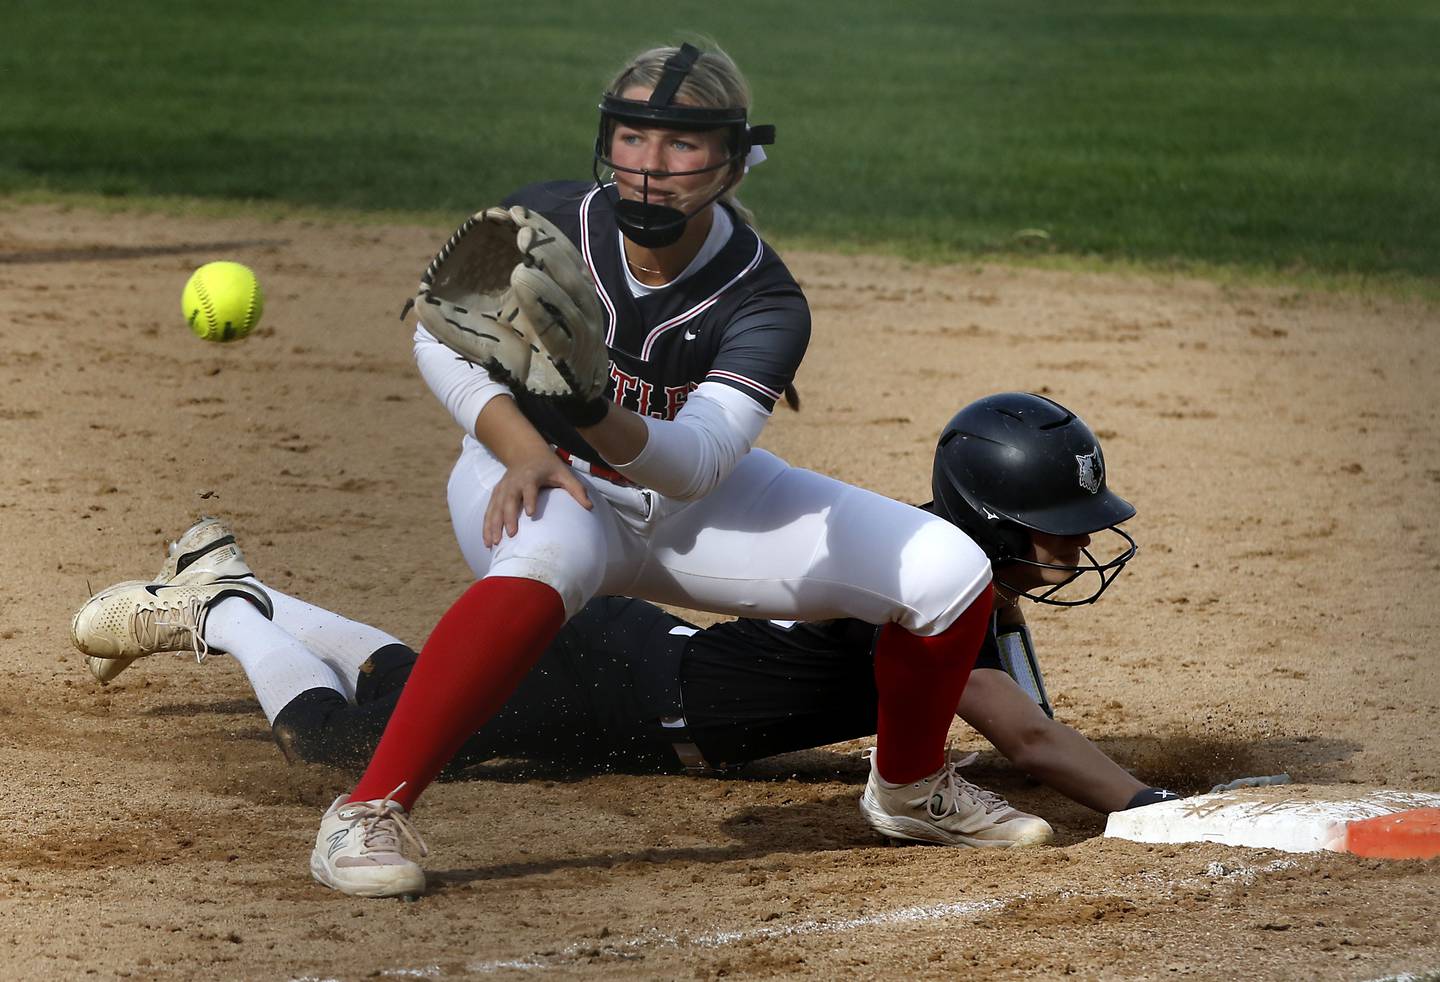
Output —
<point x="1270" y="135"/>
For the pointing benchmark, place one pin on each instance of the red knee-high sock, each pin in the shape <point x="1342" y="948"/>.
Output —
<point x="473" y="662"/>
<point x="920" y="681"/>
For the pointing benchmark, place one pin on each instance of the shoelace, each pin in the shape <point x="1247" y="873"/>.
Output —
<point x="383" y="828"/>
<point x="989" y="800"/>
<point x="149" y="624"/>
<point x="951" y="785"/>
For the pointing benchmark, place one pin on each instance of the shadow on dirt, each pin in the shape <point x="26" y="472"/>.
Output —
<point x="1183" y="763"/>
<point x="820" y="766"/>
<point x="221" y="707"/>
<point x="818" y="825"/>
<point x="1193" y="765"/>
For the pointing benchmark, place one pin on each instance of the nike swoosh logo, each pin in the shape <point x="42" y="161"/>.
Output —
<point x="690" y="335"/>
<point x="154" y="588"/>
<point x="183" y="562"/>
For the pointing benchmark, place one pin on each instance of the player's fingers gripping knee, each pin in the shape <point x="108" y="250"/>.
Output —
<point x="562" y="546"/>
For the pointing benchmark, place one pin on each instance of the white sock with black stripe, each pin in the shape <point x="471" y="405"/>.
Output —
<point x="278" y="666"/>
<point x="338" y="641"/>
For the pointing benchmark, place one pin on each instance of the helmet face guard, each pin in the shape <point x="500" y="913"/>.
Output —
<point x="644" y="222"/>
<point x="1106" y="571"/>
<point x="1013" y="464"/>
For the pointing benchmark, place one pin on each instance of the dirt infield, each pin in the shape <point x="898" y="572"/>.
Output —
<point x="1283" y="449"/>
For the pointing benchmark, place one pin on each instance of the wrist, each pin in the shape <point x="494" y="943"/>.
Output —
<point x="581" y="413"/>
<point x="1151" y="796"/>
<point x="507" y="433"/>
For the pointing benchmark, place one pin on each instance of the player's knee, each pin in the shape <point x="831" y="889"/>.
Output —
<point x="575" y="580"/>
<point x="563" y="548"/>
<point x="1030" y="746"/>
<point x="944" y="571"/>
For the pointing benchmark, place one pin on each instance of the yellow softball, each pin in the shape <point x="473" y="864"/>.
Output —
<point x="222" y="301"/>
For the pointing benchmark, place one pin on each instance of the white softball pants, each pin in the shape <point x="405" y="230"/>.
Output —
<point x="771" y="541"/>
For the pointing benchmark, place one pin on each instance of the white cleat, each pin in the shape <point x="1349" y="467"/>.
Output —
<point x="947" y="810"/>
<point x="207" y="547"/>
<point x="361" y="850"/>
<point x="134" y="619"/>
<point x="105" y="669"/>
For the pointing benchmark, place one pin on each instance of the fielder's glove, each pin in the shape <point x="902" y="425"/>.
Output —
<point x="510" y="292"/>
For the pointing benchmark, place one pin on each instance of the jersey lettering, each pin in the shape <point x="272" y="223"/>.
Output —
<point x="625" y="384"/>
<point x="675" y="396"/>
<point x="642" y="402"/>
<point x="638" y="394"/>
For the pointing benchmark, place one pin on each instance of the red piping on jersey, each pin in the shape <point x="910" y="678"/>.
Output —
<point x="590" y="263"/>
<point x="732" y="377"/>
<point x="703" y="305"/>
<point x="673" y="322"/>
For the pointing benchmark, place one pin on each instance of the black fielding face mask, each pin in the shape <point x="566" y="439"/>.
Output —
<point x="654" y="226"/>
<point x="646" y="223"/>
<point x="651" y="226"/>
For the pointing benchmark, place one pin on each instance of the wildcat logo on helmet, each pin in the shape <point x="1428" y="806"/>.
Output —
<point x="1092" y="472"/>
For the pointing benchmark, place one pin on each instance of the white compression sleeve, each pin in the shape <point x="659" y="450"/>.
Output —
<point x="462" y="388"/>
<point x="278" y="666"/>
<point x="688" y="456"/>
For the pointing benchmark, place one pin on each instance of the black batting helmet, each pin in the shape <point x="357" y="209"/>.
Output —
<point x="1015" y="463"/>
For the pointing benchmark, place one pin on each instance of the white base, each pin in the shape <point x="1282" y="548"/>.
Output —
<point x="1295" y="818"/>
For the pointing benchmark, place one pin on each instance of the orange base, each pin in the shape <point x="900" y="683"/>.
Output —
<point x="1413" y="834"/>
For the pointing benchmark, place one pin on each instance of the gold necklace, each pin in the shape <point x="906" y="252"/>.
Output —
<point x="642" y="269"/>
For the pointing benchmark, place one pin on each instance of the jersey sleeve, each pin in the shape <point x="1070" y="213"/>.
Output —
<point x="761" y="348"/>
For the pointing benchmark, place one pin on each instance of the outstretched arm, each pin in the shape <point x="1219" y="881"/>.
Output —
<point x="485" y="409"/>
<point x="530" y="466"/>
<point x="1048" y="750"/>
<point x="686" y="457"/>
